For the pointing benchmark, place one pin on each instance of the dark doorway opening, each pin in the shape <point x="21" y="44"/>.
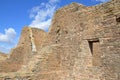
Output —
<point x="94" y="46"/>
<point x="118" y="19"/>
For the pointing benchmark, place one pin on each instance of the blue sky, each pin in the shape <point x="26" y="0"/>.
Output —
<point x="15" y="14"/>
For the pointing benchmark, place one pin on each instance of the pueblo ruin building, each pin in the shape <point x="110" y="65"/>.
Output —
<point x="83" y="43"/>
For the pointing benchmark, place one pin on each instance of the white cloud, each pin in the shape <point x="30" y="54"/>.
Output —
<point x="42" y="14"/>
<point x="7" y="40"/>
<point x="102" y="0"/>
<point x="9" y="36"/>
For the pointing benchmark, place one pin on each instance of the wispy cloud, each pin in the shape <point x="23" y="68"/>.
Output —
<point x="102" y="0"/>
<point x="7" y="40"/>
<point x="42" y="14"/>
<point x="54" y="1"/>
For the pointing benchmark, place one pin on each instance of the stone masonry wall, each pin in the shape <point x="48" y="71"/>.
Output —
<point x="82" y="44"/>
<point x="3" y="56"/>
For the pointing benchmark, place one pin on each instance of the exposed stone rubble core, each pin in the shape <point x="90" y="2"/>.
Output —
<point x="32" y="41"/>
<point x="83" y="43"/>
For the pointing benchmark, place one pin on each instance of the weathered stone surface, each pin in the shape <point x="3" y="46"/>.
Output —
<point x="3" y="56"/>
<point x="83" y="43"/>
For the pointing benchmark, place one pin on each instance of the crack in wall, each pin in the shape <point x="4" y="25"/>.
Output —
<point x="32" y="41"/>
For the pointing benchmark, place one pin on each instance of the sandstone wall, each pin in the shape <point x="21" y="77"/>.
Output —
<point x="77" y="27"/>
<point x="82" y="44"/>
<point x="22" y="53"/>
<point x="3" y="56"/>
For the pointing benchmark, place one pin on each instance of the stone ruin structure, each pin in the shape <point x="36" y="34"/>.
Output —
<point x="83" y="43"/>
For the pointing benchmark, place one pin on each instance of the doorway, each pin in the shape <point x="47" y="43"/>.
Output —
<point x="94" y="46"/>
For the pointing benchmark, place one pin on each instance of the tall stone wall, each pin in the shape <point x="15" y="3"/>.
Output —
<point x="22" y="53"/>
<point x="83" y="27"/>
<point x="3" y="56"/>
<point x="82" y="44"/>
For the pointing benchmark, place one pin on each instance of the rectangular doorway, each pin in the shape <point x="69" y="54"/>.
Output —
<point x="94" y="46"/>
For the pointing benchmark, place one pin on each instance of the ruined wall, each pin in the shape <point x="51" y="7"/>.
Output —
<point x="110" y="40"/>
<point x="79" y="27"/>
<point x="18" y="55"/>
<point x="23" y="52"/>
<point x="72" y="24"/>
<point x="3" y="56"/>
<point x="82" y="44"/>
